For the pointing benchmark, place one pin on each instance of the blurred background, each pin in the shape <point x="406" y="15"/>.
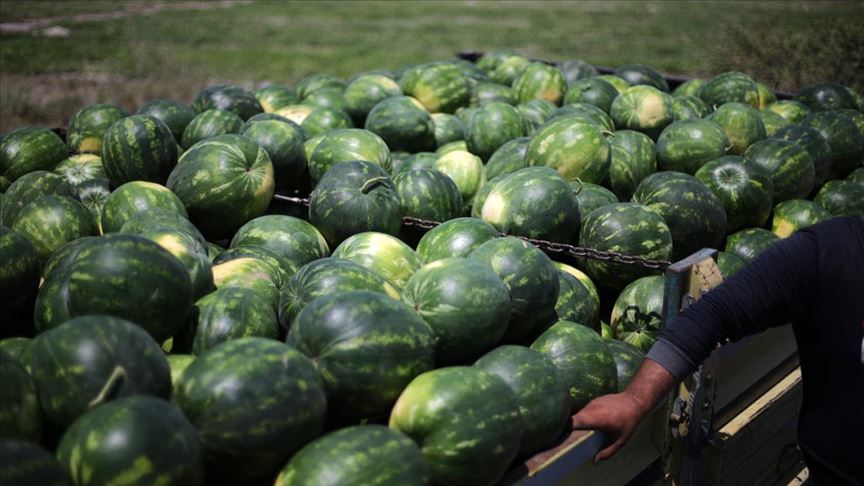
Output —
<point x="56" y="57"/>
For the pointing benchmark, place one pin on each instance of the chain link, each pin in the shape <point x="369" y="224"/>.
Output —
<point x="548" y="246"/>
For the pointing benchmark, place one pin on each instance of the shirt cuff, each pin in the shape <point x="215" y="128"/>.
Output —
<point x="671" y="358"/>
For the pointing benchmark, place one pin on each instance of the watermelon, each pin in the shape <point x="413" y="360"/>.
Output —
<point x="480" y="197"/>
<point x="543" y="399"/>
<point x="641" y="74"/>
<point x="366" y="91"/>
<point x="586" y="367"/>
<point x="535" y="202"/>
<point x="228" y="98"/>
<point x="353" y="197"/>
<point x="439" y="87"/>
<point x="232" y="313"/>
<point x="20" y="413"/>
<point x="483" y="93"/>
<point x="531" y="279"/>
<point x="745" y="190"/>
<point x="593" y="91"/>
<point x="792" y="111"/>
<point x="29" y="188"/>
<point x="213" y="251"/>
<point x="81" y="167"/>
<point x="842" y="198"/>
<point x="856" y="176"/>
<point x="20" y="269"/>
<point x="689" y="108"/>
<point x="814" y="143"/>
<point x="627" y="228"/>
<point x="27" y="149"/>
<point x="535" y="113"/>
<point x="742" y="124"/>
<point x="606" y="331"/>
<point x="731" y="87"/>
<point x="66" y="253"/>
<point x="747" y="244"/>
<point x="295" y="113"/>
<point x="293" y="239"/>
<point x="91" y="360"/>
<point x="628" y="358"/>
<point x="455" y="146"/>
<point x="638" y="312"/>
<point x="509" y="69"/>
<point x="576" y="69"/>
<point x="576" y="302"/>
<point x="766" y="95"/>
<point x="687" y="145"/>
<point x="275" y="96"/>
<point x="278" y="269"/>
<point x="491" y="126"/>
<point x="88" y="125"/>
<point x="136" y="440"/>
<point x="324" y="277"/>
<point x="729" y="263"/>
<point x="382" y="253"/>
<point x="465" y="169"/>
<point x="465" y="420"/>
<point x="428" y="194"/>
<point x="138" y="148"/>
<point x="843" y="136"/>
<point x="51" y="221"/>
<point x="283" y="141"/>
<point x="795" y="214"/>
<point x="418" y="161"/>
<point x="454" y="238"/>
<point x="346" y="145"/>
<point x="619" y="83"/>
<point x="118" y="275"/>
<point x="178" y="364"/>
<point x="162" y="218"/>
<point x="188" y="251"/>
<point x="772" y="121"/>
<point x="691" y="87"/>
<point x="576" y="149"/>
<point x="249" y="272"/>
<point x="315" y="82"/>
<point x="370" y="349"/>
<point x="826" y="97"/>
<point x="209" y="124"/>
<point x="175" y="115"/>
<point x="25" y="463"/>
<point x="510" y="157"/>
<point x="324" y="119"/>
<point x="464" y="302"/>
<point x="18" y="348"/>
<point x="362" y="454"/>
<point x="789" y="165"/>
<point x="540" y="81"/>
<point x="403" y="123"/>
<point x="326" y="98"/>
<point x="448" y="128"/>
<point x="588" y="113"/>
<point x="93" y="194"/>
<point x="633" y="158"/>
<point x="133" y="199"/>
<point x="223" y="182"/>
<point x="642" y="108"/>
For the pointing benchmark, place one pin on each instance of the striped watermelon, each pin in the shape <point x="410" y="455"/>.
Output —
<point x="173" y="114"/>
<point x="51" y="221"/>
<point x="20" y="411"/>
<point x="794" y="214"/>
<point x="578" y="300"/>
<point x="448" y="128"/>
<point x="689" y="108"/>
<point x="509" y="158"/>
<point x="28" y="188"/>
<point x="766" y="95"/>
<point x="20" y="270"/>
<point x="403" y="123"/>
<point x="789" y="165"/>
<point x="420" y="160"/>
<point x="454" y="238"/>
<point x="178" y="363"/>
<point x="209" y="124"/>
<point x="325" y="119"/>
<point x="330" y="97"/>
<point x="687" y="145"/>
<point x="628" y="358"/>
<point x="249" y="272"/>
<point x="23" y="462"/>
<point x="315" y="82"/>
<point x="576" y="149"/>
<point x="842" y="198"/>
<point x="540" y="81"/>
<point x="275" y="96"/>
<point x="345" y="145"/>
<point x="88" y="126"/>
<point x="283" y="141"/>
<point x="745" y="189"/>
<point x="27" y="149"/>
<point x="641" y="74"/>
<point x="729" y="263"/>
<point x="588" y="113"/>
<point x="642" y="108"/>
<point x="491" y="126"/>
<point x="229" y="98"/>
<point x="747" y="244"/>
<point x="82" y="167"/>
<point x="535" y="113"/>
<point x="138" y="148"/>
<point x="93" y="194"/>
<point x="382" y="253"/>
<point x="428" y="194"/>
<point x="844" y="137"/>
<point x="366" y="91"/>
<point x="792" y="111"/>
<point x="482" y="93"/>
<point x="619" y="83"/>
<point x="439" y="87"/>
<point x="826" y="97"/>
<point x="293" y="239"/>
<point x="731" y="87"/>
<point x="232" y="313"/>
<point x="638" y="312"/>
<point x="593" y="91"/>
<point x="742" y="125"/>
<point x="187" y="250"/>
<point x="691" y="87"/>
<point x="772" y="121"/>
<point x="509" y="69"/>
<point x="576" y="69"/>
<point x="465" y="169"/>
<point x="133" y="199"/>
<point x="633" y="158"/>
<point x="814" y="143"/>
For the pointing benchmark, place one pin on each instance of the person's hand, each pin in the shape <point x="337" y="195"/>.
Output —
<point x="616" y="415"/>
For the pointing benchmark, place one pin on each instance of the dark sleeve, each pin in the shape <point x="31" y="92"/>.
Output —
<point x="768" y="292"/>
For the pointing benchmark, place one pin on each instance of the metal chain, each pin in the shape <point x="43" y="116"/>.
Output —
<point x="548" y="246"/>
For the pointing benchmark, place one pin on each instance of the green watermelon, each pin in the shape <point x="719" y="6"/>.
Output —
<point x="20" y="411"/>
<point x="18" y="348"/>
<point x="293" y="239"/>
<point x="188" y="251"/>
<point x="576" y="149"/>
<point x="249" y="272"/>
<point x="25" y="463"/>
<point x="428" y="194"/>
<point x="606" y="331"/>
<point x="403" y="123"/>
<point x="588" y="113"/>
<point x="842" y="198"/>
<point x="772" y="121"/>
<point x="627" y="228"/>
<point x="586" y="367"/>
<point x="766" y="95"/>
<point x="843" y="136"/>
<point x="742" y="124"/>
<point x="578" y="300"/>
<point x="324" y="119"/>
<point x="745" y="190"/>
<point x="642" y="108"/>
<point x="324" y="277"/>
<point x="283" y="141"/>
<point x="366" y="91"/>
<point x="178" y="364"/>
<point x="633" y="158"/>
<point x="795" y="214"/>
<point x="689" y="108"/>
<point x="136" y="440"/>
<point x="826" y="97"/>
<point x="66" y="254"/>
<point x="593" y="91"/>
<point x="814" y="143"/>
<point x="543" y="399"/>
<point x="346" y="145"/>
<point x="93" y="194"/>
<point x="277" y="404"/>
<point x="209" y="124"/>
<point x="278" y="269"/>
<point x="439" y="87"/>
<point x="464" y="302"/>
<point x="465" y="169"/>
<point x="371" y="347"/>
<point x="509" y="69"/>
<point x="27" y="149"/>
<point x="628" y="358"/>
<point x="118" y="275"/>
<point x="138" y="148"/>
<point x="161" y="218"/>
<point x="28" y="188"/>
<point x="88" y="125"/>
<point x="638" y="312"/>
<point x="540" y="81"/>
<point x="315" y="82"/>
<point x="229" y="98"/>
<point x="619" y="83"/>
<point x="856" y="176"/>
<point x="232" y="313"/>
<point x="295" y="113"/>
<point x="173" y="114"/>
<point x="531" y="279"/>
<point x="483" y="93"/>
<point x="509" y="158"/>
<point x="81" y="167"/>
<point x="789" y="165"/>
<point x="641" y="74"/>
<point x="455" y="146"/>
<point x="353" y="197"/>
<point x="491" y="126"/>
<point x="448" y="128"/>
<point x="747" y="244"/>
<point x="133" y="199"/>
<point x="382" y="253"/>
<point x="687" y="145"/>
<point x="454" y="238"/>
<point x="729" y="263"/>
<point x="330" y="97"/>
<point x="223" y="182"/>
<point x="535" y="202"/>
<point x="731" y="87"/>
<point x="51" y="221"/>
<point x="275" y="96"/>
<point x="480" y="197"/>
<point x="418" y="161"/>
<point x="465" y="420"/>
<point x="535" y="113"/>
<point x="576" y="69"/>
<point x="691" y="87"/>
<point x="361" y="454"/>
<point x="792" y="111"/>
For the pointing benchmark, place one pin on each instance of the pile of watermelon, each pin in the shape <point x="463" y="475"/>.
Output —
<point x="165" y="320"/>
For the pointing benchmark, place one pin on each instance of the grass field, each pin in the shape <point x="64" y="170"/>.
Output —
<point x="130" y="52"/>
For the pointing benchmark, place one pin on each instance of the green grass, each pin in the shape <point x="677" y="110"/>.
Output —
<point x="175" y="52"/>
